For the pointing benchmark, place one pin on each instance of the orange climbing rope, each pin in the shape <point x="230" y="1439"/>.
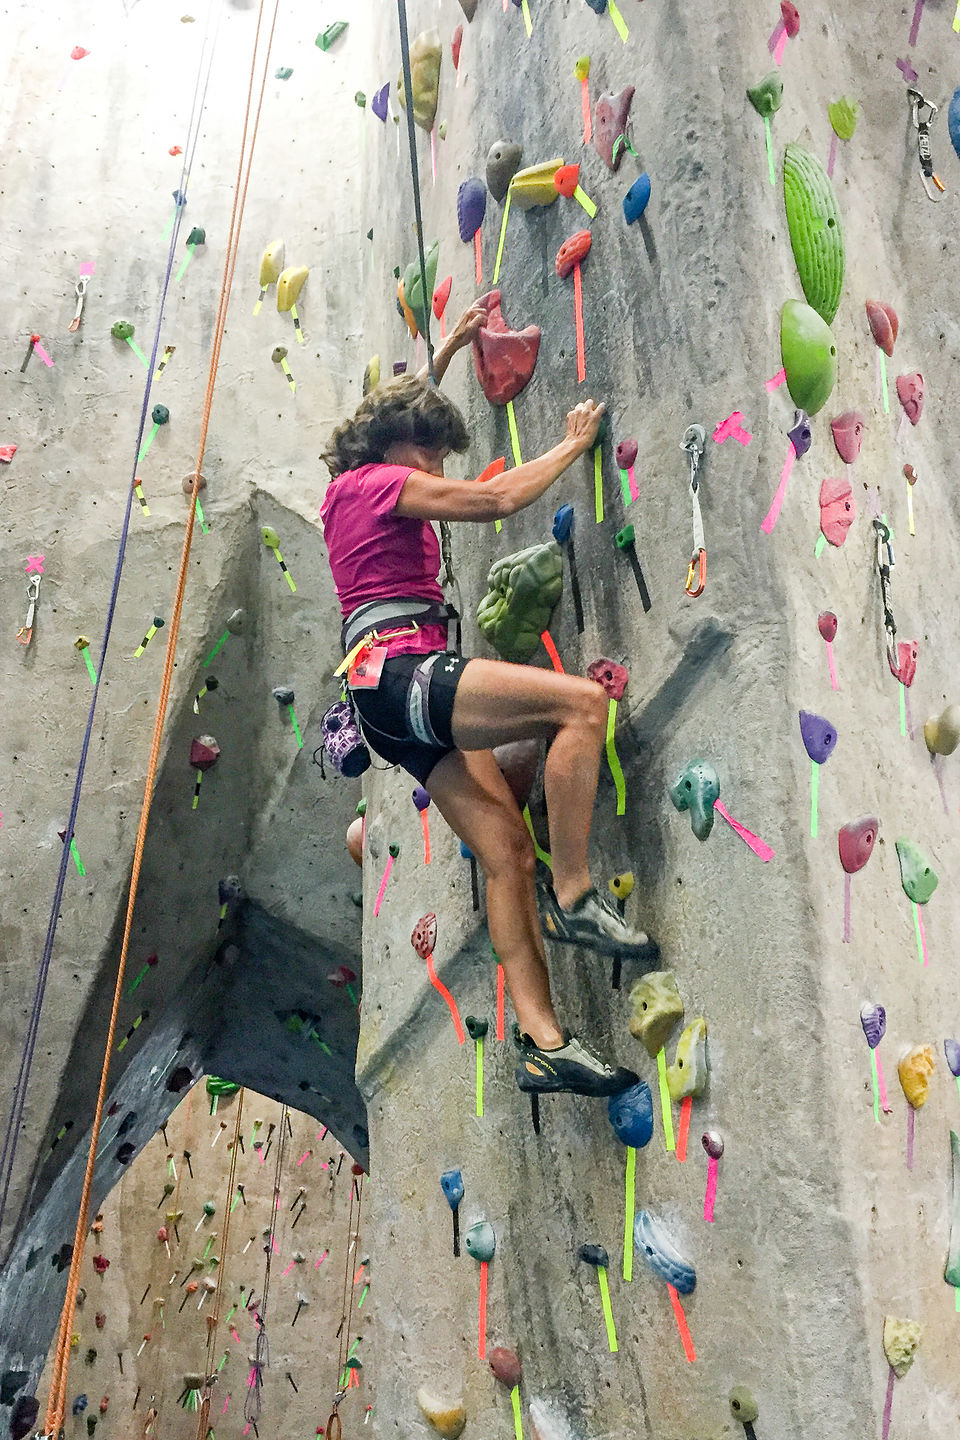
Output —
<point x="56" y="1402"/>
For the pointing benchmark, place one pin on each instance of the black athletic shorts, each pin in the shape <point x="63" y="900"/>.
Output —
<point x="408" y="718"/>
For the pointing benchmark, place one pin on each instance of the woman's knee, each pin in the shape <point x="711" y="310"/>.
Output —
<point x="510" y="853"/>
<point x="587" y="707"/>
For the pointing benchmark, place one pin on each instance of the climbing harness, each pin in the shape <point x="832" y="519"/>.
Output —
<point x="25" y="633"/>
<point x="923" y="113"/>
<point x="693" y="442"/>
<point x="885" y="563"/>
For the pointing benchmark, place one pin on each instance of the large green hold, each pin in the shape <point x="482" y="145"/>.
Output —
<point x="522" y="590"/>
<point x="809" y="356"/>
<point x="413" y="287"/>
<point x="816" y="233"/>
<point x="917" y="876"/>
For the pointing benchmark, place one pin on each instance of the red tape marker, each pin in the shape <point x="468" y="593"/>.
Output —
<point x="441" y="989"/>
<point x="682" y="1326"/>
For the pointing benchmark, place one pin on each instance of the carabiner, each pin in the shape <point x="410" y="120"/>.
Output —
<point x="697" y="568"/>
<point x="25" y="633"/>
<point x="923" y="113"/>
<point x="81" y="290"/>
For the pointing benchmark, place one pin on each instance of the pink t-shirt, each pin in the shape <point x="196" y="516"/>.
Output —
<point x="377" y="555"/>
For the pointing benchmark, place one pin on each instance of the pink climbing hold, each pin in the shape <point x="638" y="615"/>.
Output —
<point x="611" y="676"/>
<point x="847" y="430"/>
<point x="504" y="358"/>
<point x="837" y="509"/>
<point x="883" y="323"/>
<point x="905" y="669"/>
<point x="910" y="395"/>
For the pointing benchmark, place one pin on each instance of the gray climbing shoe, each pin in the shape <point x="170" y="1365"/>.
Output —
<point x="594" y="923"/>
<point x="573" y="1068"/>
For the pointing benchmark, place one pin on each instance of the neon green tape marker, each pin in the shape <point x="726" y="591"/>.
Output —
<point x="598" y="484"/>
<point x="148" y="442"/>
<point x="236" y="1202"/>
<point x="814" y="797"/>
<point x="956" y="1293"/>
<point x="81" y="870"/>
<point x="629" y="1210"/>
<point x="884" y="393"/>
<point x="613" y="760"/>
<point x="584" y="199"/>
<point x="515" y="1392"/>
<point x="916" y="930"/>
<point x="607" y="1311"/>
<point x="665" y="1110"/>
<point x="876" y="1086"/>
<point x="956" y="26"/>
<point x="480" y="1076"/>
<point x="514" y="436"/>
<point x="503" y="236"/>
<point x="540" y="854"/>
<point x="527" y="22"/>
<point x="619" y="24"/>
<point x="362" y="1297"/>
<point x="770" y="165"/>
<point x="819" y="547"/>
<point x="903" y="708"/>
<point x="625" y="488"/>
<point x="139" y="353"/>
<point x="296" y="731"/>
<point x="203" y="524"/>
<point x="91" y="671"/>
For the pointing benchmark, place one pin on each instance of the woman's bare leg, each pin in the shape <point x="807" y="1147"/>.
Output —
<point x="475" y="800"/>
<point x="497" y="702"/>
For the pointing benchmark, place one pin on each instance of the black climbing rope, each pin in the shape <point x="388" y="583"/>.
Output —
<point x="415" y="176"/>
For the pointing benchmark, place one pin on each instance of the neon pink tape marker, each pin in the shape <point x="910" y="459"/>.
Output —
<point x="321" y="1260"/>
<point x="42" y="353"/>
<point x="772" y="515"/>
<point x="383" y="886"/>
<point x="87" y="267"/>
<point x="778" y="31"/>
<point x="884" y="1103"/>
<point x="781" y="45"/>
<point x="887" y="1407"/>
<point x="632" y="482"/>
<point x="710" y="1195"/>
<point x="287" y="1271"/>
<point x="833" y="668"/>
<point x="732" y="429"/>
<point x="758" y="846"/>
<point x="776" y="381"/>
<point x="302" y="1158"/>
<point x="225" y="1404"/>
<point x="833" y="154"/>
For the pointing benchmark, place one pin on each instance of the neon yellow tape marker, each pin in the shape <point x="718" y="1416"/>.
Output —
<point x="503" y="236"/>
<point x="527" y="22"/>
<point x="607" y="1312"/>
<point x="540" y="854"/>
<point x="770" y="165"/>
<point x="480" y="1077"/>
<point x="910" y="519"/>
<point x="956" y="26"/>
<point x="598" y="484"/>
<point x="619" y="24"/>
<point x="903" y="708"/>
<point x="514" y="437"/>
<point x="665" y="1109"/>
<point x="613" y="760"/>
<point x="916" y="930"/>
<point x="584" y="199"/>
<point x="628" y="1213"/>
<point x="814" y="798"/>
<point x="515" y="1392"/>
<point x="884" y="393"/>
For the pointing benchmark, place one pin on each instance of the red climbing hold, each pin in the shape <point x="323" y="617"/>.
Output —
<point x="573" y="252"/>
<point x="905" y="669"/>
<point x="504" y="358"/>
<point x="610" y="125"/>
<point x="611" y="676"/>
<point x="791" y="18"/>
<point x="837" y="510"/>
<point x="566" y="180"/>
<point x="441" y="295"/>
<point x="424" y="937"/>
<point x="204" y="752"/>
<point x="883" y="324"/>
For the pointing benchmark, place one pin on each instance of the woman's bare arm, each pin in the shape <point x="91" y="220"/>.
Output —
<point x="434" y="497"/>
<point x="460" y="336"/>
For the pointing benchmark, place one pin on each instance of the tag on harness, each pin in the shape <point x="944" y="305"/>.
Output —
<point x="367" y="669"/>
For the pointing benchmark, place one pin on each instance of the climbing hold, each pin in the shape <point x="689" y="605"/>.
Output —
<point x="900" y="1341"/>
<point x="656" y="1008"/>
<point x="688" y="1073"/>
<point x="766" y="96"/>
<point x="905" y="668"/>
<point x="816" y="233"/>
<point x="610" y="118"/>
<point x="379" y="102"/>
<point x="424" y="937"/>
<point x="198" y="236"/>
<point x="637" y="198"/>
<point x="573" y="252"/>
<point x="481" y="1242"/>
<point x="469" y="8"/>
<point x="456" y="42"/>
<point x="951" y="1049"/>
<point x="506" y="1367"/>
<point x="800" y="435"/>
<point x="504" y="359"/>
<point x="712" y="1142"/>
<point x="448" y="1417"/>
<point x="910" y="395"/>
<point x="951" y="1272"/>
<point x="451" y="1183"/>
<point x="818" y="735"/>
<point x="661" y="1255"/>
<point x="697" y="789"/>
<point x="843" y="115"/>
<point x="791" y="18"/>
<point x="827" y="625"/>
<point x="160" y="415"/>
<point x="915" y="1069"/>
<point x="837" y="509"/>
<point x="856" y="841"/>
<point x="333" y="32"/>
<point x="942" y="732"/>
<point x="476" y="1028"/>
<point x="917" y="876"/>
<point x="873" y="1019"/>
<point x="534" y="185"/>
<point x="410" y="290"/>
<point x="581" y="68"/>
<point x="809" y="356"/>
<point x="204" y="752"/>
<point x="626" y="454"/>
<point x="79" y="1404"/>
<point x="283" y="695"/>
<point x="503" y="162"/>
<point x="126" y="1152"/>
<point x="121" y="330"/>
<point x="471" y="208"/>
<point x="847" y="432"/>
<point x="426" y="53"/>
<point x="610" y="676"/>
<point x="622" y="885"/>
<point x="594" y="1255"/>
<point x="631" y="1115"/>
<point x="371" y="374"/>
<point x="441" y="295"/>
<point x="289" y="284"/>
<point x="23" y="1417"/>
<point x="743" y="1405"/>
<point x="522" y="590"/>
<point x="883" y="323"/>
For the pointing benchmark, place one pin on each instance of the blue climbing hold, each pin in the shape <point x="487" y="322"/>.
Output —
<point x="471" y="207"/>
<point x="598" y="6"/>
<point x="451" y="1183"/>
<point x="953" y="120"/>
<point x="631" y="1115"/>
<point x="661" y="1256"/>
<point x="79" y="1405"/>
<point x="465" y="854"/>
<point x="636" y="199"/>
<point x="563" y="524"/>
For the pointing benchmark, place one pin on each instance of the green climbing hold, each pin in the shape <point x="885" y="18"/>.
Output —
<point x="766" y="96"/>
<point x="121" y="330"/>
<point x="522" y="590"/>
<point x="333" y="32"/>
<point x="844" y="114"/>
<point x="657" y="1007"/>
<point x="697" y="789"/>
<point x="917" y="876"/>
<point x="197" y="236"/>
<point x="815" y="230"/>
<point x="809" y="356"/>
<point x="218" y="1087"/>
<point x="411" y="290"/>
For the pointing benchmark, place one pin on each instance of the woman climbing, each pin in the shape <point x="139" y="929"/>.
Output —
<point x="439" y="714"/>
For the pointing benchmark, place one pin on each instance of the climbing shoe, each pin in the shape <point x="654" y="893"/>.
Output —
<point x="594" y="923"/>
<point x="572" y="1067"/>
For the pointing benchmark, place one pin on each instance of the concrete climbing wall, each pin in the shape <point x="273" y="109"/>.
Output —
<point x="146" y="1316"/>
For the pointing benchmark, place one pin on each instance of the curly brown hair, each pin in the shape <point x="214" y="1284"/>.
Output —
<point x="403" y="410"/>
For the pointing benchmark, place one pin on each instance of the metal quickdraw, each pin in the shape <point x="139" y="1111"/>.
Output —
<point x="885" y="563"/>
<point x="81" y="290"/>
<point x="693" y="442"/>
<point x="923" y="113"/>
<point x="25" y="633"/>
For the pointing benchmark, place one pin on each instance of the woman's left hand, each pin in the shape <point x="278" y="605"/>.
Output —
<point x="467" y="327"/>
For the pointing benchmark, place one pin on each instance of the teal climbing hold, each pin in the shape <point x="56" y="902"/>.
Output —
<point x="809" y="356"/>
<point x="481" y="1242"/>
<point x="697" y="789"/>
<point x="917" y="876"/>
<point x="816" y="233"/>
<point x="522" y="590"/>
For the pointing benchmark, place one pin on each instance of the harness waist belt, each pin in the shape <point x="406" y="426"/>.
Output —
<point x="376" y="614"/>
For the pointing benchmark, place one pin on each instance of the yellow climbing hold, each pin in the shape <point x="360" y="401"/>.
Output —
<point x="447" y="1417"/>
<point x="289" y="285"/>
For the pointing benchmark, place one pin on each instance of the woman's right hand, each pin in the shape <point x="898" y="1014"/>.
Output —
<point x="583" y="422"/>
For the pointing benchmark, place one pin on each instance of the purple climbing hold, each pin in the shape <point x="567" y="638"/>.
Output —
<point x="951" y="1049"/>
<point x="873" y="1018"/>
<point x="800" y="436"/>
<point x="856" y="841"/>
<point x="379" y="102"/>
<point x="818" y="735"/>
<point x="471" y="207"/>
<point x="421" y="797"/>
